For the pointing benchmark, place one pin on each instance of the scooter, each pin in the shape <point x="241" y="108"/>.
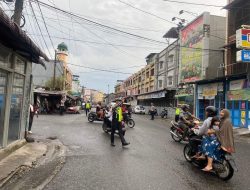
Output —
<point x="224" y="169"/>
<point x="93" y="117"/>
<point x="164" y="113"/>
<point x="106" y="126"/>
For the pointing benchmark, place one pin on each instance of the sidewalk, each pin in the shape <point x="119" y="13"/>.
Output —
<point x="27" y="159"/>
<point x="242" y="132"/>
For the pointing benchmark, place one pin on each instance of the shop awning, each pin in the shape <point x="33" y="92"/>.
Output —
<point x="233" y="4"/>
<point x="13" y="37"/>
<point x="153" y="95"/>
<point x="48" y="93"/>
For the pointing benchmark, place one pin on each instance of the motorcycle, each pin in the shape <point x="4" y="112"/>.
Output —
<point x="224" y="169"/>
<point x="128" y="120"/>
<point x="93" y="117"/>
<point x="164" y="113"/>
<point x="177" y="131"/>
<point x="106" y="126"/>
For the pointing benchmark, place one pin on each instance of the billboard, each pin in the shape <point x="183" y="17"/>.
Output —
<point x="191" y="53"/>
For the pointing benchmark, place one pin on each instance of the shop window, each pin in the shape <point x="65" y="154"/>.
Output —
<point x="16" y="107"/>
<point x="229" y="105"/>
<point x="3" y="86"/>
<point x="4" y="57"/>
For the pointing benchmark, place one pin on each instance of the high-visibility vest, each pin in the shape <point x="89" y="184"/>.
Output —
<point x="177" y="111"/>
<point x="88" y="106"/>
<point x="119" y="114"/>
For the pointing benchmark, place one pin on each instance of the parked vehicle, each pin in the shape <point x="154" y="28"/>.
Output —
<point x="73" y="110"/>
<point x="224" y="169"/>
<point x="139" y="110"/>
<point x="164" y="113"/>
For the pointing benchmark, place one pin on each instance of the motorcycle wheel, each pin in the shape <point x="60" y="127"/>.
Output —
<point x="188" y="153"/>
<point x="91" y="118"/>
<point x="162" y="116"/>
<point x="179" y="136"/>
<point x="228" y="172"/>
<point x="104" y="127"/>
<point x="131" y="123"/>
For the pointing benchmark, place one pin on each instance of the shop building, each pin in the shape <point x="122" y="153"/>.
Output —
<point x="237" y="71"/>
<point x="17" y="53"/>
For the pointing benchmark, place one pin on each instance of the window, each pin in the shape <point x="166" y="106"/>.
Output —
<point x="152" y="72"/>
<point x="20" y="66"/>
<point x="171" y="59"/>
<point x="3" y="86"/>
<point x="170" y="81"/>
<point x="147" y="75"/>
<point x="4" y="57"/>
<point x="160" y="83"/>
<point x="161" y="65"/>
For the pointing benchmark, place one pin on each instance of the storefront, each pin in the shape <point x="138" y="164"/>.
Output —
<point x="17" y="52"/>
<point x="210" y="94"/>
<point x="238" y="102"/>
<point x="186" y="96"/>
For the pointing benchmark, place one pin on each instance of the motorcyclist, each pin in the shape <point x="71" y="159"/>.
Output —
<point x="186" y="119"/>
<point x="210" y="111"/>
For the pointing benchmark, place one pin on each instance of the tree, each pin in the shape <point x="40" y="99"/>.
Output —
<point x="59" y="83"/>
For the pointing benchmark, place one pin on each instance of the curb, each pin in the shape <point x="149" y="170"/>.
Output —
<point x="11" y="148"/>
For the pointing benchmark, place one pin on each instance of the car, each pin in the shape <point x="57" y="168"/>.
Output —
<point x="139" y="109"/>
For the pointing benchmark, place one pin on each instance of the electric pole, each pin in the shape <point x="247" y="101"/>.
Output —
<point x="54" y="75"/>
<point x="108" y="93"/>
<point x="18" y="12"/>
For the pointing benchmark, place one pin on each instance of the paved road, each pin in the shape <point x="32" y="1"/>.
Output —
<point x="152" y="161"/>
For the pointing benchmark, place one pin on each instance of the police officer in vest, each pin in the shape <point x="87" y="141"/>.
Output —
<point x="117" y="124"/>
<point x="87" y="107"/>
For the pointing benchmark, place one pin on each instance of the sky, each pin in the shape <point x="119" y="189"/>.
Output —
<point x="106" y="54"/>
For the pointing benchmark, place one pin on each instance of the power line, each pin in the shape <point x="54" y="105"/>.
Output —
<point x="199" y="4"/>
<point x="99" y="24"/>
<point x="152" y="14"/>
<point x="39" y="27"/>
<point x="45" y="25"/>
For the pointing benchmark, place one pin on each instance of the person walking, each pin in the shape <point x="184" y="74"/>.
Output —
<point x="87" y="108"/>
<point x="152" y="111"/>
<point x="33" y="112"/>
<point x="117" y="124"/>
<point x="62" y="106"/>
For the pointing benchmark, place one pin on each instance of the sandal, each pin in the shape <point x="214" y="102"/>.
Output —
<point x="207" y="170"/>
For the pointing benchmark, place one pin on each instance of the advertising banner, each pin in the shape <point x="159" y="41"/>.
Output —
<point x="236" y="84"/>
<point x="243" y="94"/>
<point x="243" y="39"/>
<point x="210" y="90"/>
<point x="191" y="53"/>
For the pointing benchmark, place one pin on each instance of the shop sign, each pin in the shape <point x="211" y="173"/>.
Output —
<point x="152" y="96"/>
<point x="236" y="84"/>
<point x="243" y="39"/>
<point x="243" y="94"/>
<point x="210" y="90"/>
<point x="184" y="92"/>
<point x="191" y="53"/>
<point x="243" y="56"/>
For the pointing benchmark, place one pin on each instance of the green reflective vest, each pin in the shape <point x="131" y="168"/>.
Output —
<point x="119" y="114"/>
<point x="177" y="111"/>
<point x="88" y="106"/>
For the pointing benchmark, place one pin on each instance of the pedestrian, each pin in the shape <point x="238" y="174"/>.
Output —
<point x="33" y="112"/>
<point x="62" y="106"/>
<point x="152" y="111"/>
<point x="177" y="113"/>
<point x="46" y="105"/>
<point x="87" y="107"/>
<point x="117" y="119"/>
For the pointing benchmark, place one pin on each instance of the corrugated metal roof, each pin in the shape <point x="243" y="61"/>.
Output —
<point x="13" y="37"/>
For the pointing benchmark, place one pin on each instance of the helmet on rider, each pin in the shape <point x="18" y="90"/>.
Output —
<point x="185" y="107"/>
<point x="211" y="111"/>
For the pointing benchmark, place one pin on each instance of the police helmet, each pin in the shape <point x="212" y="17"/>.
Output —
<point x="211" y="110"/>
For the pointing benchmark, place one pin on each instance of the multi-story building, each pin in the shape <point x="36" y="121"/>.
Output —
<point x="94" y="96"/>
<point x="237" y="71"/>
<point x="201" y="58"/>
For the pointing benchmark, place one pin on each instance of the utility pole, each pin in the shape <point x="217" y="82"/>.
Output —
<point x="18" y="12"/>
<point x="108" y="93"/>
<point x="54" y="75"/>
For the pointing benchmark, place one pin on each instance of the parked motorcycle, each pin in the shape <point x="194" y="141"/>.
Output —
<point x="224" y="169"/>
<point x="93" y="117"/>
<point x="164" y="113"/>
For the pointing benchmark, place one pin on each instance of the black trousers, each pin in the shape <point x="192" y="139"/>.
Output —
<point x="87" y="111"/>
<point x="30" y="121"/>
<point x="118" y="126"/>
<point x="177" y="118"/>
<point x="152" y="115"/>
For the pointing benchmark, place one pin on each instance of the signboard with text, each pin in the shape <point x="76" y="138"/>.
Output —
<point x="243" y="39"/>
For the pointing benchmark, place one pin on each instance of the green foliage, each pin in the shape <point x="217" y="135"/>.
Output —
<point x="59" y="82"/>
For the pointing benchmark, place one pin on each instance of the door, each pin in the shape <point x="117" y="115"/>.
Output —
<point x="3" y="93"/>
<point x="236" y="114"/>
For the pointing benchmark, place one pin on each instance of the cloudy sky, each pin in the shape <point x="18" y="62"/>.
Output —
<point x="101" y="48"/>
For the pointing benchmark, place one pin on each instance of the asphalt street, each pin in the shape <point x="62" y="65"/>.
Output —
<point x="153" y="161"/>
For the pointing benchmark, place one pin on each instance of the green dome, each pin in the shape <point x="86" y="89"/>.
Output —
<point x="62" y="47"/>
